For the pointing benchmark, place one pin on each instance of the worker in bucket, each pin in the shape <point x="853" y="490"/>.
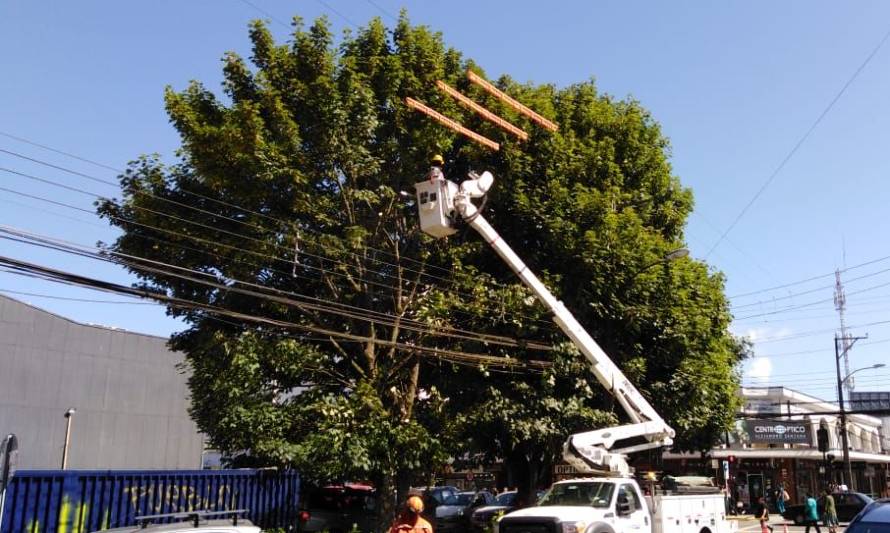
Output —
<point x="409" y="520"/>
<point x="437" y="162"/>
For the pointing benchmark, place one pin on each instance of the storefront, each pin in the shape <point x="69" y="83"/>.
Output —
<point x="775" y="443"/>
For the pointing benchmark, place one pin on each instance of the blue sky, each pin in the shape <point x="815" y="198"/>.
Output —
<point x="734" y="85"/>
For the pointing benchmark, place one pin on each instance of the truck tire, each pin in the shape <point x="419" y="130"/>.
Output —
<point x="705" y="530"/>
<point x="798" y="519"/>
<point x="600" y="527"/>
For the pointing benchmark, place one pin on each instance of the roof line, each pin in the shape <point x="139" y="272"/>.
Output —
<point x="83" y="324"/>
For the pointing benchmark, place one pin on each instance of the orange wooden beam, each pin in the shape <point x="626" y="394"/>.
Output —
<point x="486" y="114"/>
<point x="448" y="123"/>
<point x="500" y="95"/>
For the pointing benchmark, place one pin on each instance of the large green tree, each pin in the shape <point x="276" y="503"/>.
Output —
<point x="288" y="183"/>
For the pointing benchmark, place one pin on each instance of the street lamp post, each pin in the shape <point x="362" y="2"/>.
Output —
<point x="848" y="468"/>
<point x="69" y="414"/>
<point x="670" y="256"/>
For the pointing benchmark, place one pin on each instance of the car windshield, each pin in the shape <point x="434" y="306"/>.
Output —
<point x="506" y="499"/>
<point x="465" y="498"/>
<point x="445" y="497"/>
<point x="593" y="494"/>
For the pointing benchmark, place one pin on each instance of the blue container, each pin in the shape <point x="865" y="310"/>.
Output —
<point x="80" y="501"/>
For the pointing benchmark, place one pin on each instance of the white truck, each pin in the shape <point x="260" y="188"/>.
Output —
<point x="612" y="504"/>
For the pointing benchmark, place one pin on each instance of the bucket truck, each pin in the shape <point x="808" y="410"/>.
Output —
<point x="609" y="504"/>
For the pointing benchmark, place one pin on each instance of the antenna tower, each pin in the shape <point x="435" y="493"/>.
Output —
<point x="840" y="303"/>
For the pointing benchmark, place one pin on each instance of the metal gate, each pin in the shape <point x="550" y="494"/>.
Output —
<point x="80" y="501"/>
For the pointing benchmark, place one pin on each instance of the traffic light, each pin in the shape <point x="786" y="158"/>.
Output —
<point x="822" y="439"/>
<point x="731" y="459"/>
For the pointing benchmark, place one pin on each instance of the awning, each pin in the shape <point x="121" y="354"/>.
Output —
<point x="782" y="453"/>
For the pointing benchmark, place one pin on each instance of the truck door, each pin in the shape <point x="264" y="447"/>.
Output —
<point x="630" y="510"/>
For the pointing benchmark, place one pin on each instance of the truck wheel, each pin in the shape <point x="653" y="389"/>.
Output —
<point x="798" y="520"/>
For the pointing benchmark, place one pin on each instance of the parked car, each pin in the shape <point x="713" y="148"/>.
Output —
<point x="456" y="514"/>
<point x="503" y="503"/>
<point x="336" y="508"/>
<point x="443" y="508"/>
<point x="848" y="505"/>
<point x="875" y="518"/>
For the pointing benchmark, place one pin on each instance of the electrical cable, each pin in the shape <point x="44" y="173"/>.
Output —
<point x="811" y="333"/>
<point x="69" y="299"/>
<point x="384" y="11"/>
<point x="793" y="295"/>
<point x="189" y="193"/>
<point x="311" y="304"/>
<point x="867" y="378"/>
<point x="361" y="257"/>
<point x="264" y="12"/>
<point x="216" y="244"/>
<point x="74" y="279"/>
<point x="293" y="274"/>
<point x="810" y="304"/>
<point x="800" y="142"/>
<point x="217" y="215"/>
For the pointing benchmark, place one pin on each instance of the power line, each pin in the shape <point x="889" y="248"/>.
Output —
<point x="183" y="191"/>
<point x="384" y="11"/>
<point x="799" y="143"/>
<point x="810" y="291"/>
<point x="217" y="215"/>
<point x="216" y="244"/>
<point x="395" y="277"/>
<point x="280" y="296"/>
<point x="818" y="350"/>
<point x="817" y="302"/>
<point x="264" y="12"/>
<point x="816" y="332"/>
<point x="69" y="299"/>
<point x="341" y="15"/>
<point x="73" y="279"/>
<point x="259" y="227"/>
<point x="545" y="325"/>
<point x="819" y="380"/>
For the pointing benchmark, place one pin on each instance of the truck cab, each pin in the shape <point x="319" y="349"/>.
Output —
<point x="590" y="505"/>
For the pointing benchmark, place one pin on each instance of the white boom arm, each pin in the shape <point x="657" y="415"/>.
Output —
<point x="602" y="449"/>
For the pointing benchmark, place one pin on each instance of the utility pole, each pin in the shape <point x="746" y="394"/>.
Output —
<point x="847" y="343"/>
<point x="840" y="303"/>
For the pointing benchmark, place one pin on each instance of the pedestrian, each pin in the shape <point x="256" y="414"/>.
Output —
<point x="811" y="513"/>
<point x="409" y="520"/>
<point x="781" y="498"/>
<point x="762" y="514"/>
<point x="830" y="512"/>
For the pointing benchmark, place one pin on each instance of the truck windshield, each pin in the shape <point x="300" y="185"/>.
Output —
<point x="588" y="494"/>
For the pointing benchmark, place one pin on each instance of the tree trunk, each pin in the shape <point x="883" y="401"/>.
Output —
<point x="386" y="508"/>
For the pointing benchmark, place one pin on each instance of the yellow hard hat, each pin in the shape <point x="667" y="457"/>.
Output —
<point x="437" y="159"/>
<point x="415" y="504"/>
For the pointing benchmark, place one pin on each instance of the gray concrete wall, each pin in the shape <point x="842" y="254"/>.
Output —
<point x="131" y="400"/>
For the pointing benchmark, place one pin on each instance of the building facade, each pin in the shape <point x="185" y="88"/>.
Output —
<point x="775" y="443"/>
<point x="130" y="396"/>
<point x="875" y="403"/>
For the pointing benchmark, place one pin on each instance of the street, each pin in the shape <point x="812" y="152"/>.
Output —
<point x="753" y="526"/>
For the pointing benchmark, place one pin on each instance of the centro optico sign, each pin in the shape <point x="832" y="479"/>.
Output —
<point x="778" y="432"/>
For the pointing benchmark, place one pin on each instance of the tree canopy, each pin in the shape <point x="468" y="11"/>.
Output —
<point x="288" y="184"/>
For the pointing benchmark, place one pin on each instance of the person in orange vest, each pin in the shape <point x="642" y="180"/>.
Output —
<point x="409" y="520"/>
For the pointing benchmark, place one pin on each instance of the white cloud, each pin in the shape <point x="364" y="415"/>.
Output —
<point x="760" y="367"/>
<point x="760" y="333"/>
